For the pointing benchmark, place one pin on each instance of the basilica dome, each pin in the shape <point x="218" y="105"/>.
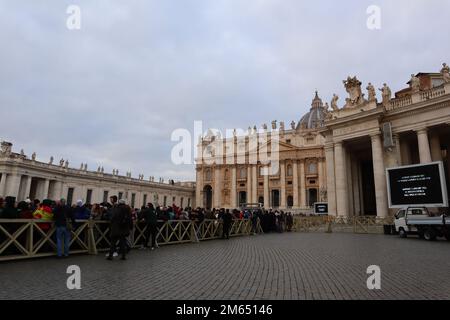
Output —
<point x="315" y="117"/>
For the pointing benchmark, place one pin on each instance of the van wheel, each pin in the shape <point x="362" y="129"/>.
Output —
<point x="402" y="233"/>
<point x="429" y="234"/>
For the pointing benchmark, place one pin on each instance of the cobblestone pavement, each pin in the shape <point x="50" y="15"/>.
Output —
<point x="273" y="266"/>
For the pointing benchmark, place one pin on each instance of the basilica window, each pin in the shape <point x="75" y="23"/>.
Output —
<point x="242" y="173"/>
<point x="312" y="168"/>
<point x="289" y="171"/>
<point x="208" y="175"/>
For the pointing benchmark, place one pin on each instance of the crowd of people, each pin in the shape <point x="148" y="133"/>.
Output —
<point x="123" y="218"/>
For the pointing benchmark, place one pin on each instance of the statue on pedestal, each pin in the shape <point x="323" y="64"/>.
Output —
<point x="61" y="162"/>
<point x="51" y="160"/>
<point x="371" y="92"/>
<point x="293" y="125"/>
<point x="334" y="101"/>
<point x="282" y="126"/>
<point x="445" y="73"/>
<point x="414" y="84"/>
<point x="66" y="164"/>
<point x="353" y="87"/>
<point x="6" y="148"/>
<point x="386" y="93"/>
<point x="274" y="124"/>
<point x="33" y="156"/>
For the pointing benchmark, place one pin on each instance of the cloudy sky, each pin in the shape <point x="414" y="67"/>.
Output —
<point x="112" y="92"/>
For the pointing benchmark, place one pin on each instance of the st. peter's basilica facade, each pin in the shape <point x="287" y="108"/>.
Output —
<point x="333" y="154"/>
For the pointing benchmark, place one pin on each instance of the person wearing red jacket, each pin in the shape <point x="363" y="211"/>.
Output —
<point x="44" y="212"/>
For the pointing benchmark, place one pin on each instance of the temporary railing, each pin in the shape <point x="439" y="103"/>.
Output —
<point x="30" y="238"/>
<point x="354" y="224"/>
<point x="23" y="238"/>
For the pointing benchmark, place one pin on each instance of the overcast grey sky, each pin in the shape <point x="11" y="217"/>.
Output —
<point x="113" y="92"/>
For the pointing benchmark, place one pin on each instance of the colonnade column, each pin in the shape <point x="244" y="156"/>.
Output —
<point x="249" y="184"/>
<point x="331" y="186"/>
<point x="283" y="184"/>
<point x="341" y="180"/>
<point x="266" y="191"/>
<point x="295" y="183"/>
<point x="448" y="162"/>
<point x="45" y="190"/>
<point x="3" y="184"/>
<point x="217" y="187"/>
<point x="28" y="187"/>
<point x="321" y="183"/>
<point x="302" y="184"/>
<point x="424" y="146"/>
<point x="198" y="188"/>
<point x="13" y="185"/>
<point x="379" y="176"/>
<point x="254" y="184"/>
<point x="234" y="203"/>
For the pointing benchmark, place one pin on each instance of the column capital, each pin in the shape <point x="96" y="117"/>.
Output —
<point x="422" y="130"/>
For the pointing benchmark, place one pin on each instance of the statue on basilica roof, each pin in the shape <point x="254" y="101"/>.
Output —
<point x="414" y="83"/>
<point x="371" y="92"/>
<point x="386" y="93"/>
<point x="445" y="73"/>
<point x="334" y="101"/>
<point x="353" y="88"/>
<point x="274" y="124"/>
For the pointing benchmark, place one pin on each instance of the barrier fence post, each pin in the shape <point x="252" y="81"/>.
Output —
<point x="194" y="237"/>
<point x="92" y="247"/>
<point x="30" y="237"/>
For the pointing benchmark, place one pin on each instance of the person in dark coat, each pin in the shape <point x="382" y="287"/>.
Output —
<point x="227" y="220"/>
<point x="81" y="211"/>
<point x="121" y="224"/>
<point x="9" y="210"/>
<point x="64" y="220"/>
<point x="289" y="221"/>
<point x="24" y="210"/>
<point x="148" y="214"/>
<point x="254" y="216"/>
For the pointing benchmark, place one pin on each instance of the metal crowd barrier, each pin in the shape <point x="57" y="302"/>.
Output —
<point x="31" y="238"/>
<point x="354" y="224"/>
